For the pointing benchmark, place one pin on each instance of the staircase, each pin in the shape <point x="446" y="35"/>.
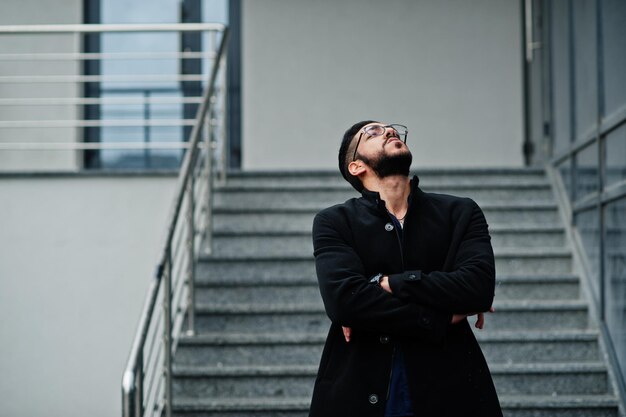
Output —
<point x="261" y="323"/>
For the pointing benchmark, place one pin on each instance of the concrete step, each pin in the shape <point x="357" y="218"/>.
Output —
<point x="254" y="219"/>
<point x="550" y="378"/>
<point x="273" y="197"/>
<point x="509" y="261"/>
<point x="510" y="176"/>
<point x="224" y="290"/>
<point x="263" y="318"/>
<point x="523" y="261"/>
<point x="537" y="287"/>
<point x="260" y="281"/>
<point x="512" y="405"/>
<point x="223" y="349"/>
<point x="278" y="242"/>
<point x="297" y="380"/>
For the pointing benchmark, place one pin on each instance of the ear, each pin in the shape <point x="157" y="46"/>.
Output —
<point x="356" y="168"/>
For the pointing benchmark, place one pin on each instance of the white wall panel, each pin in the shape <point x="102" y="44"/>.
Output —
<point x="450" y="70"/>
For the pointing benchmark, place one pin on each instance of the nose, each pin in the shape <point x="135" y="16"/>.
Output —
<point x="391" y="132"/>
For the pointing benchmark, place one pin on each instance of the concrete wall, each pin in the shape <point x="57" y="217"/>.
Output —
<point x="76" y="257"/>
<point x="450" y="70"/>
<point x="24" y="12"/>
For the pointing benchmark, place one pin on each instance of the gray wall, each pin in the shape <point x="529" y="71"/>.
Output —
<point x="450" y="70"/>
<point x="76" y="257"/>
<point x="24" y="12"/>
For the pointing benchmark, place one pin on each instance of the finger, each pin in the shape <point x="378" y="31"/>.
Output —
<point x="480" y="321"/>
<point x="347" y="332"/>
<point x="492" y="310"/>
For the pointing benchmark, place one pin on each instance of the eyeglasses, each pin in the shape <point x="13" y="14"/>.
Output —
<point x="379" y="130"/>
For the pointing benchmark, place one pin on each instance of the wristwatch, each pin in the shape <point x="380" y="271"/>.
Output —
<point x="376" y="279"/>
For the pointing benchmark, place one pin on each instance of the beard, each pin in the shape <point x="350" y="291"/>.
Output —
<point x="387" y="165"/>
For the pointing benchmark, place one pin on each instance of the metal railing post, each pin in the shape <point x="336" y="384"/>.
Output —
<point x="167" y="333"/>
<point x="191" y="237"/>
<point x="160" y="399"/>
<point x="208" y="171"/>
<point x="129" y="388"/>
<point x="223" y="136"/>
<point x="139" y="386"/>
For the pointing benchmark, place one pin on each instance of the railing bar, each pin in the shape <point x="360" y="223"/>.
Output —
<point x="154" y="375"/>
<point x="155" y="403"/>
<point x="179" y="310"/>
<point x="178" y="270"/>
<point x="178" y="239"/>
<point x="180" y="256"/>
<point x="59" y="79"/>
<point x="178" y="320"/>
<point x="199" y="195"/>
<point x="222" y="121"/>
<point x="45" y="101"/>
<point x="613" y="121"/>
<point x="70" y="146"/>
<point x="201" y="207"/>
<point x="167" y="333"/>
<point x="131" y="56"/>
<point x="179" y="277"/>
<point x="95" y="123"/>
<point x="99" y="28"/>
<point x="180" y="285"/>
<point x="157" y="411"/>
<point x="128" y="384"/>
<point x="178" y="250"/>
<point x="154" y="372"/>
<point x="181" y="291"/>
<point x="154" y="330"/>
<point x="151" y="349"/>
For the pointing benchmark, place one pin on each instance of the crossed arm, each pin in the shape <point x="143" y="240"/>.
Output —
<point x="456" y="318"/>
<point x="422" y="306"/>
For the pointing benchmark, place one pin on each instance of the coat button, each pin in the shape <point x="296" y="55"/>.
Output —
<point x="384" y="339"/>
<point x="389" y="227"/>
<point x="373" y="398"/>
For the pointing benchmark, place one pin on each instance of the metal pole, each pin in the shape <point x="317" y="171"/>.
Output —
<point x="191" y="237"/>
<point x="208" y="179"/>
<point x="167" y="333"/>
<point x="223" y="137"/>
<point x="146" y="128"/>
<point x="139" y="386"/>
<point x="129" y="395"/>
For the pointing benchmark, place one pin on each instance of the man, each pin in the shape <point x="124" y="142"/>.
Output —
<point x="399" y="272"/>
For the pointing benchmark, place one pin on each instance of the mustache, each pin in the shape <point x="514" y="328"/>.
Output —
<point x="392" y="137"/>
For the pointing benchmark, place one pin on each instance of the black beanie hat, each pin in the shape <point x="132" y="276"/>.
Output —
<point x="345" y="143"/>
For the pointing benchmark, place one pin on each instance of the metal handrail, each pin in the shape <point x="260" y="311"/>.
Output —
<point x="91" y="28"/>
<point x="133" y="377"/>
<point x="64" y="146"/>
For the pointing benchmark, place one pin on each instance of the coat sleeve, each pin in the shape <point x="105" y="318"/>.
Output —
<point x="470" y="284"/>
<point x="350" y="300"/>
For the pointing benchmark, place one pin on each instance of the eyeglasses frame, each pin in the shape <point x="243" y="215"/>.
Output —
<point x="385" y="131"/>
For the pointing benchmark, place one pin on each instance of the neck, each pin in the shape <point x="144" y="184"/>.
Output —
<point x="394" y="190"/>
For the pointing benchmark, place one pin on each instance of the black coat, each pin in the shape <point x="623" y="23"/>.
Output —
<point x="446" y="267"/>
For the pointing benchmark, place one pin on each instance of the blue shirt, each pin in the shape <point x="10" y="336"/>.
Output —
<point x="399" y="401"/>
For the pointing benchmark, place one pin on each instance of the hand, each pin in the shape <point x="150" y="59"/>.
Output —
<point x="384" y="284"/>
<point x="480" y="320"/>
<point x="347" y="333"/>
